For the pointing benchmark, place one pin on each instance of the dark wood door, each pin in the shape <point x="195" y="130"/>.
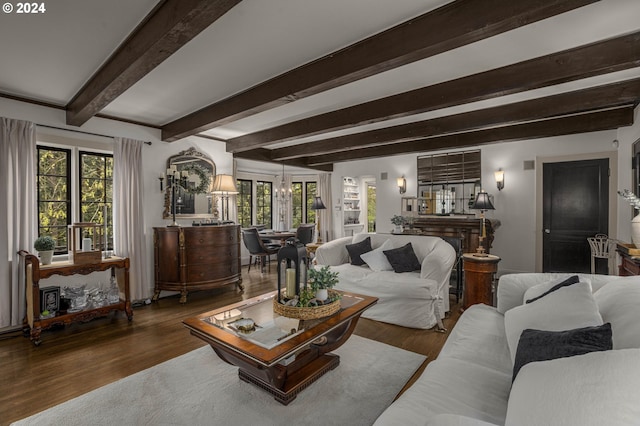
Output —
<point x="575" y="207"/>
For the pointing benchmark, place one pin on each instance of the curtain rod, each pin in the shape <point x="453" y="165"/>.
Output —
<point x="82" y="131"/>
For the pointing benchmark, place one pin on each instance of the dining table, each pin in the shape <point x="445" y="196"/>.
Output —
<point x="281" y="236"/>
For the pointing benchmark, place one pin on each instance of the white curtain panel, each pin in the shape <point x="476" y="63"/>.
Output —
<point x="18" y="214"/>
<point x="325" y="218"/>
<point x="128" y="216"/>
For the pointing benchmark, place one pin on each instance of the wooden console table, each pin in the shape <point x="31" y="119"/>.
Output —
<point x="468" y="229"/>
<point x="630" y="259"/>
<point x="34" y="272"/>
<point x="479" y="275"/>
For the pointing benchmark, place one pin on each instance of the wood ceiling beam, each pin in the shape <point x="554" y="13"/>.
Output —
<point x="167" y="28"/>
<point x="573" y="64"/>
<point x="264" y="155"/>
<point x="606" y="96"/>
<point x="572" y="124"/>
<point x="448" y="27"/>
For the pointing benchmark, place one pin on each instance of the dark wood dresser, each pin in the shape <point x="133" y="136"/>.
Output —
<point x="196" y="258"/>
<point x="629" y="259"/>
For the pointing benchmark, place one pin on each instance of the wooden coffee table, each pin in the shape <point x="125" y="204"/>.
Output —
<point x="280" y="355"/>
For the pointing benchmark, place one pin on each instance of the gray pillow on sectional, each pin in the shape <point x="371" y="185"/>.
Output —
<point x="538" y="345"/>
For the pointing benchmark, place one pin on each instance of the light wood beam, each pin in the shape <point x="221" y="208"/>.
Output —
<point x="448" y="27"/>
<point x="168" y="27"/>
<point x="572" y="124"/>
<point x="574" y="64"/>
<point x="600" y="97"/>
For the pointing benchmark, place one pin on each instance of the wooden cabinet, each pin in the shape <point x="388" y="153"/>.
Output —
<point x="34" y="272"/>
<point x="196" y="258"/>
<point x="479" y="276"/>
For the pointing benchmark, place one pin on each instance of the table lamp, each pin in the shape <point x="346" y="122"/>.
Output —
<point x="224" y="185"/>
<point x="482" y="203"/>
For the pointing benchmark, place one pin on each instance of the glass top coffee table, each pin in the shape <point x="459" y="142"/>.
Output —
<point x="278" y="354"/>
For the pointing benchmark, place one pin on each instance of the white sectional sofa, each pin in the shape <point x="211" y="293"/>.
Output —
<point x="417" y="299"/>
<point x="470" y="383"/>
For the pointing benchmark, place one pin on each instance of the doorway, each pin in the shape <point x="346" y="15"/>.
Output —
<point x="370" y="194"/>
<point x="575" y="206"/>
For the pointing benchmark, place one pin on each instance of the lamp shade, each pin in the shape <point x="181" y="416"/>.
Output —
<point x="483" y="202"/>
<point x="318" y="204"/>
<point x="224" y="184"/>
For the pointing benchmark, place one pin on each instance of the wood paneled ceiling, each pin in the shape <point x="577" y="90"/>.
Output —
<point x="452" y="75"/>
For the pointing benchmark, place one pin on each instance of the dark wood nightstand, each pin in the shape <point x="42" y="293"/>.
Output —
<point x="479" y="273"/>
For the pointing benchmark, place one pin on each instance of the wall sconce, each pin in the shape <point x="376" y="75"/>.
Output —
<point x="402" y="184"/>
<point x="499" y="179"/>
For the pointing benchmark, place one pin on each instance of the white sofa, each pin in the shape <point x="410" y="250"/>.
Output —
<point x="411" y="299"/>
<point x="470" y="383"/>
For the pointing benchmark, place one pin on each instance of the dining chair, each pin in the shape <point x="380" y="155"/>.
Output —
<point x="258" y="248"/>
<point x="304" y="233"/>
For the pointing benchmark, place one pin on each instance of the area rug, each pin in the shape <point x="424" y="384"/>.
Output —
<point x="200" y="389"/>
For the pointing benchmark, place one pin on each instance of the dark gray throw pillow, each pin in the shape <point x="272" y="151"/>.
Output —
<point x="574" y="279"/>
<point x="403" y="259"/>
<point x="356" y="249"/>
<point x="538" y="345"/>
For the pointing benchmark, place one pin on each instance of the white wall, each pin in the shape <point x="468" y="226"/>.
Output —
<point x="626" y="137"/>
<point x="516" y="204"/>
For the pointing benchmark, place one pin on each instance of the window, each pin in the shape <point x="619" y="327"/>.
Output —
<point x="58" y="206"/>
<point x="54" y="196"/>
<point x="263" y="203"/>
<point x="96" y="190"/>
<point x="296" y="203"/>
<point x="310" y="196"/>
<point x="243" y="200"/>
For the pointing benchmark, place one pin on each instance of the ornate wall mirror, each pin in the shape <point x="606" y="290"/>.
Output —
<point x="193" y="190"/>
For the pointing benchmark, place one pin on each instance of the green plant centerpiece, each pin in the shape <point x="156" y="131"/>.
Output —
<point x="45" y="246"/>
<point x="321" y="280"/>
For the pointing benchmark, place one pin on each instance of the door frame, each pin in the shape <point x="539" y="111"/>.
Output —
<point x="612" y="156"/>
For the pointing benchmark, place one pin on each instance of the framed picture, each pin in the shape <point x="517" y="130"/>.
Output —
<point x="50" y="299"/>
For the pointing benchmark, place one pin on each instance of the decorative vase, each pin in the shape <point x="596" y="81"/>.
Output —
<point x="46" y="256"/>
<point x="635" y="231"/>
<point x="398" y="229"/>
<point x="322" y="294"/>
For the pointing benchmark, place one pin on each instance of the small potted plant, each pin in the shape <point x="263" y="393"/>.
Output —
<point x="321" y="280"/>
<point x="45" y="246"/>
<point x="398" y="221"/>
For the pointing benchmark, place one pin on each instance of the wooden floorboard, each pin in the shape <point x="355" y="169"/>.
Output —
<point x="78" y="358"/>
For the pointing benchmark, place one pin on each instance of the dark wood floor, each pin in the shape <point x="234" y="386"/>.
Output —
<point x="81" y="357"/>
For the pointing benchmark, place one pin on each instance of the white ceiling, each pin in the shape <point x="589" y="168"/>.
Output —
<point x="48" y="57"/>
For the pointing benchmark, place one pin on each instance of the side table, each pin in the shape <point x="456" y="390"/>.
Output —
<point x="479" y="272"/>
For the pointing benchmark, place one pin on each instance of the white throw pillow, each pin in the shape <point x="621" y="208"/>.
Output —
<point x="619" y="304"/>
<point x="540" y="289"/>
<point x="564" y="309"/>
<point x="598" y="388"/>
<point x="376" y="259"/>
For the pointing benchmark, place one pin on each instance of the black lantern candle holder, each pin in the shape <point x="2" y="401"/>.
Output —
<point x="293" y="256"/>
